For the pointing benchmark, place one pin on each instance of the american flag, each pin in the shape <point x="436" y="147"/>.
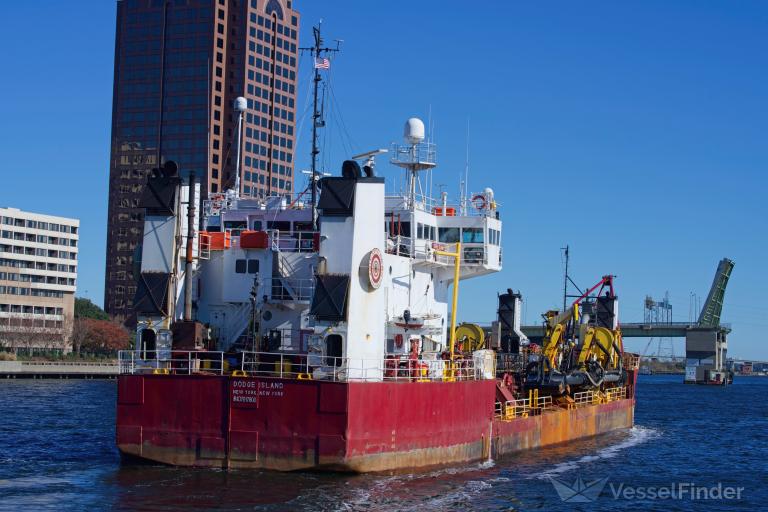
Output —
<point x="322" y="63"/>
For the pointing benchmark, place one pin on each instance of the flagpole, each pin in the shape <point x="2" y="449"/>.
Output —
<point x="318" y="62"/>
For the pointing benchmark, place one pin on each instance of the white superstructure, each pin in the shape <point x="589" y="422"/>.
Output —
<point x="370" y="286"/>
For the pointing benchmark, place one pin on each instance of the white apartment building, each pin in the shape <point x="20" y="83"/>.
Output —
<point x="38" y="274"/>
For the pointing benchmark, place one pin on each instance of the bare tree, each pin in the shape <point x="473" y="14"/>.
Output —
<point x="26" y="332"/>
<point x="81" y="331"/>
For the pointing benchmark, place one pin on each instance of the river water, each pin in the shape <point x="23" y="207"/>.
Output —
<point x="57" y="453"/>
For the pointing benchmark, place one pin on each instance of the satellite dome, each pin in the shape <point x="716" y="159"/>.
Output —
<point x="414" y="130"/>
<point x="241" y="104"/>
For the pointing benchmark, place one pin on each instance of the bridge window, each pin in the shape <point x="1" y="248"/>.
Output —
<point x="235" y="226"/>
<point x="425" y="232"/>
<point x="472" y="235"/>
<point x="253" y="266"/>
<point x="279" y="225"/>
<point x="449" y="235"/>
<point x="302" y="227"/>
<point x="494" y="236"/>
<point x="240" y="266"/>
<point x="401" y="228"/>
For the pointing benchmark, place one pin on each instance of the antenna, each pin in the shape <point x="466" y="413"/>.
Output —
<point x="370" y="158"/>
<point x="413" y="156"/>
<point x="241" y="105"/>
<point x="465" y="184"/>
<point x="319" y="61"/>
<point x="565" y="278"/>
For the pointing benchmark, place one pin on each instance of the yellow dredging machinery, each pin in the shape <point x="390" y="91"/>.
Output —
<point x="582" y="346"/>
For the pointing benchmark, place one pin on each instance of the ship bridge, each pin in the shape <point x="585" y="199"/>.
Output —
<point x="420" y="229"/>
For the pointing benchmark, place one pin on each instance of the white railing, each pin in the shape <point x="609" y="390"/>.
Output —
<point x="429" y="204"/>
<point x="298" y="366"/>
<point x="292" y="241"/>
<point x="424" y="250"/>
<point x="283" y="288"/>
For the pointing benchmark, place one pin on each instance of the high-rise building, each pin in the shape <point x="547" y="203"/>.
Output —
<point x="179" y="65"/>
<point x="38" y="269"/>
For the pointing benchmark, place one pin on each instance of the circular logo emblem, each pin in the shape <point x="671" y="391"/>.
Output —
<point x="375" y="268"/>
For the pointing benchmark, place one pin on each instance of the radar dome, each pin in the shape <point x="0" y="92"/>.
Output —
<point x="241" y="104"/>
<point x="414" y="130"/>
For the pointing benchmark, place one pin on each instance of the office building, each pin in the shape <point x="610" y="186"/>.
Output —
<point x="38" y="274"/>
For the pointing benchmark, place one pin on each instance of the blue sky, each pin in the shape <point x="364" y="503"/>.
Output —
<point x="636" y="132"/>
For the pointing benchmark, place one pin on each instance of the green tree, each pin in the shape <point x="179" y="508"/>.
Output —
<point x="84" y="308"/>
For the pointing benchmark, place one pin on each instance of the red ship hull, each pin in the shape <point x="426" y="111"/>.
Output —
<point x="285" y="424"/>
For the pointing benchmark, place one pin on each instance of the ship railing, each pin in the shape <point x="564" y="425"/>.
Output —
<point x="302" y="366"/>
<point x="544" y="402"/>
<point x="426" y="250"/>
<point x="599" y="397"/>
<point x="512" y="409"/>
<point x="523" y="407"/>
<point x="585" y="398"/>
<point x="510" y="363"/>
<point x="631" y="361"/>
<point x="345" y="369"/>
<point x="292" y="241"/>
<point x="290" y="289"/>
<point x="164" y="362"/>
<point x="617" y="393"/>
<point x="399" y="245"/>
<point x="436" y="206"/>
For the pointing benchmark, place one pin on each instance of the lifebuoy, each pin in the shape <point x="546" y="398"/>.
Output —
<point x="399" y="340"/>
<point x="480" y="202"/>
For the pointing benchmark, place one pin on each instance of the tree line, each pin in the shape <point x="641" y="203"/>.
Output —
<point x="94" y="333"/>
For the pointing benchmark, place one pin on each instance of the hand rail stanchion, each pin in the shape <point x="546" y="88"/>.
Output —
<point x="221" y="363"/>
<point x="189" y="363"/>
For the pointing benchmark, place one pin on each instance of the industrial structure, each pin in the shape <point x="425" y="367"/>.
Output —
<point x="706" y="339"/>
<point x="706" y="349"/>
<point x="38" y="273"/>
<point x="178" y="68"/>
<point x="659" y="312"/>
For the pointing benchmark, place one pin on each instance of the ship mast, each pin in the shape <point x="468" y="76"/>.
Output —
<point x="319" y="61"/>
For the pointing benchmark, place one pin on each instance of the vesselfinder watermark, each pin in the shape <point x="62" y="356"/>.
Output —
<point x="581" y="491"/>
